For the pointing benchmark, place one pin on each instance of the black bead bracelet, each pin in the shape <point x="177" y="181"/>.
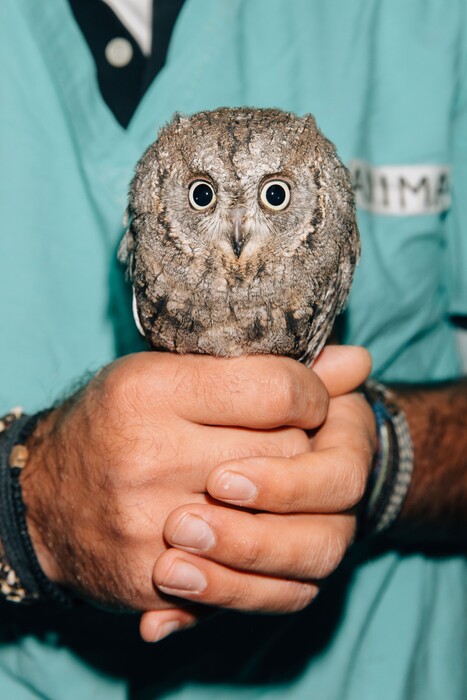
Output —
<point x="21" y="577"/>
<point x="392" y="471"/>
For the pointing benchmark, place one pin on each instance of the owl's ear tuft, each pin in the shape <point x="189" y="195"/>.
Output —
<point x="308" y="122"/>
<point x="179" y="119"/>
<point x="309" y="118"/>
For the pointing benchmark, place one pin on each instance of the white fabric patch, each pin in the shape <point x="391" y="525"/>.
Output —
<point x="401" y="190"/>
<point x="136" y="15"/>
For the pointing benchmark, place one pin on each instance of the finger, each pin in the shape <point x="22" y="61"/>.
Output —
<point x="342" y="368"/>
<point x="260" y="391"/>
<point x="350" y="422"/>
<point x="157" y="624"/>
<point x="222" y="444"/>
<point x="288" y="546"/>
<point x="330" y="479"/>
<point x="204" y="447"/>
<point x="187" y="576"/>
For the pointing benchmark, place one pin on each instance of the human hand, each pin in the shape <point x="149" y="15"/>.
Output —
<point x="306" y="519"/>
<point x="108" y="467"/>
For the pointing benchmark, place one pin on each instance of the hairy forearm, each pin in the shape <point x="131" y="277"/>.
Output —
<point x="435" y="509"/>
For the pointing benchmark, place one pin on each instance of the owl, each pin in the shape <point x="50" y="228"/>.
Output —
<point x="242" y="235"/>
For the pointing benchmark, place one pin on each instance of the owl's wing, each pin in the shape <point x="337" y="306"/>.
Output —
<point x="322" y="324"/>
<point x="125" y="250"/>
<point x="337" y="293"/>
<point x="338" y="215"/>
<point x="349" y="259"/>
<point x="125" y="256"/>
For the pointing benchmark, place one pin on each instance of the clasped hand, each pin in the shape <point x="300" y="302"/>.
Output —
<point x="228" y="482"/>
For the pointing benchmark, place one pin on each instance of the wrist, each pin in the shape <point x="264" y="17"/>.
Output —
<point x="391" y="473"/>
<point x="37" y="487"/>
<point x="21" y="575"/>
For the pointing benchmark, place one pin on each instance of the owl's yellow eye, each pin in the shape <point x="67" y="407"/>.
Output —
<point x="275" y="195"/>
<point x="201" y="195"/>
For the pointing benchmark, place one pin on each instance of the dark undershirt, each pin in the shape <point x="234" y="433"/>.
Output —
<point x="123" y="87"/>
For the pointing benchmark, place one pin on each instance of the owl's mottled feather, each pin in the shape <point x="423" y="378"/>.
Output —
<point x="238" y="276"/>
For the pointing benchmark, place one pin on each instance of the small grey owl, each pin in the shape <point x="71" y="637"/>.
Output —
<point x="242" y="235"/>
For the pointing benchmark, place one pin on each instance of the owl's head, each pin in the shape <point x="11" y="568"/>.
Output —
<point x="229" y="183"/>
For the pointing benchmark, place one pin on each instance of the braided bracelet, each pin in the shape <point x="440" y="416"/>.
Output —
<point x="392" y="471"/>
<point x="21" y="577"/>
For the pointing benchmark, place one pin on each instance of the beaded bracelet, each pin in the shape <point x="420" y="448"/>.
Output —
<point x="21" y="577"/>
<point x="392" y="471"/>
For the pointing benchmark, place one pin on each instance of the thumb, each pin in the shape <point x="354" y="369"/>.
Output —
<point x="342" y="368"/>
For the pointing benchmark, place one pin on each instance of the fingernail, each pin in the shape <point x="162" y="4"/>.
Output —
<point x="183" y="576"/>
<point x="165" y="629"/>
<point x="235" y="487"/>
<point x="193" y="532"/>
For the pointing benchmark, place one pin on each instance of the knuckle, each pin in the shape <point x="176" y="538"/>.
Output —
<point x="132" y="380"/>
<point x="121" y="528"/>
<point x="290" y="493"/>
<point x="319" y="400"/>
<point x="117" y="386"/>
<point x="207" y="386"/>
<point x="285" y="397"/>
<point x="188" y="378"/>
<point x="235" y="597"/>
<point x="127" y="523"/>
<point x="252" y="556"/>
<point x="295" y="395"/>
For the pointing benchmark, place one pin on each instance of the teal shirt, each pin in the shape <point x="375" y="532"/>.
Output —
<point x="387" y="82"/>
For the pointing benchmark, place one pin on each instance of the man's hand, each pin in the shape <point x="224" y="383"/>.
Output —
<point x="298" y="518"/>
<point x="137" y="444"/>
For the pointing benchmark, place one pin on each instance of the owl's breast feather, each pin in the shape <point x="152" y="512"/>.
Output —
<point x="241" y="309"/>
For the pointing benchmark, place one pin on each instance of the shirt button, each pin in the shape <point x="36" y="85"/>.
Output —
<point x="119" y="52"/>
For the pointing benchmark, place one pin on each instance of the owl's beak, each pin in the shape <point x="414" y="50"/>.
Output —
<point x="237" y="238"/>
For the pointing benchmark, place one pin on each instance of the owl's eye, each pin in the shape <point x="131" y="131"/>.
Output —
<point x="275" y="195"/>
<point x="201" y="195"/>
